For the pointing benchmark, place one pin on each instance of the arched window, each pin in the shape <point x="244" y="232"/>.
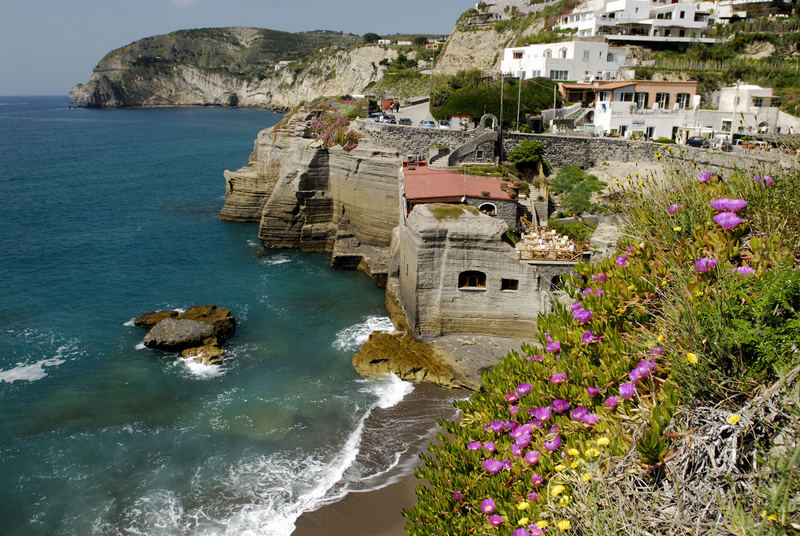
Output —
<point x="555" y="283"/>
<point x="548" y="53"/>
<point x="562" y="53"/>
<point x="472" y="279"/>
<point x="488" y="208"/>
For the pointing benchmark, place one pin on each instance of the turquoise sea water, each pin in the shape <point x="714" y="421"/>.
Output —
<point x="109" y="214"/>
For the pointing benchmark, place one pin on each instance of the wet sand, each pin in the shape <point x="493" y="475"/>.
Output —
<point x="367" y="511"/>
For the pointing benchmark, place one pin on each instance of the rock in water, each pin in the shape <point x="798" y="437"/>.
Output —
<point x="176" y="334"/>
<point x="148" y="320"/>
<point x="220" y="317"/>
<point x="207" y="355"/>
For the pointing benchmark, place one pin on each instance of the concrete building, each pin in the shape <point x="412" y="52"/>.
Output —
<point x="746" y="109"/>
<point x="570" y="60"/>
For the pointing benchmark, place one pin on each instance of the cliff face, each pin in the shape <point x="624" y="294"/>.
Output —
<point x="231" y="67"/>
<point x="308" y="197"/>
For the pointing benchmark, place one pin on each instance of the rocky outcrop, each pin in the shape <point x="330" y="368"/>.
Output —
<point x="316" y="199"/>
<point x="196" y="332"/>
<point x="231" y="67"/>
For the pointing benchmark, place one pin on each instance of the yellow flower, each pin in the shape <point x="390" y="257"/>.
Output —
<point x="542" y="524"/>
<point x="763" y="513"/>
<point x="564" y="525"/>
<point x="733" y="419"/>
<point x="560" y="467"/>
<point x="691" y="358"/>
<point x="637" y="173"/>
<point x="524" y="521"/>
<point x="564" y="500"/>
<point x="772" y="517"/>
<point x="603" y="441"/>
<point x="586" y="477"/>
<point x="658" y="155"/>
<point x="575" y="464"/>
<point x="557" y="490"/>
<point x="677" y="229"/>
<point x="631" y="287"/>
<point x="573" y="452"/>
<point x="524" y="505"/>
<point x="664" y="282"/>
<point x="616" y="181"/>
<point x="641" y="183"/>
<point x="592" y="452"/>
<point x="660" y="338"/>
<point x="698" y="293"/>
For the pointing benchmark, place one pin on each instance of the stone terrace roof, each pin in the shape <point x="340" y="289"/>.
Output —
<point x="424" y="183"/>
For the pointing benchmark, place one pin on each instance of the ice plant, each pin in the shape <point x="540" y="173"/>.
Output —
<point x="559" y="405"/>
<point x="743" y="271"/>
<point x="532" y="458"/>
<point x="523" y="389"/>
<point x="593" y="391"/>
<point x="621" y="261"/>
<point x="537" y="480"/>
<point x="672" y="209"/>
<point x="627" y="390"/>
<point x="495" y="520"/>
<point x="553" y="444"/>
<point x="558" y="378"/>
<point x="727" y="220"/>
<point x="474" y="445"/>
<point x="581" y="315"/>
<point x="705" y="264"/>
<point x="732" y="205"/>
<point x="611" y="402"/>
<point x="487" y="505"/>
<point x="704" y="177"/>
<point x="691" y="358"/>
<point x="492" y="466"/>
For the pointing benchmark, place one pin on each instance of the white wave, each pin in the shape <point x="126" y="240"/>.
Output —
<point x="129" y="323"/>
<point x="275" y="260"/>
<point x="32" y="372"/>
<point x="140" y="346"/>
<point x="350" y="339"/>
<point x="199" y="370"/>
<point x="390" y="391"/>
<point x="253" y="243"/>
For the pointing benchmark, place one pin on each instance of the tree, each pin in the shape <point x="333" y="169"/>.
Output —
<point x="528" y="157"/>
<point x="420" y="40"/>
<point x="371" y="37"/>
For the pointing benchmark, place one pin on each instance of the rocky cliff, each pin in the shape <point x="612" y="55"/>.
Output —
<point x="232" y="67"/>
<point x="308" y="197"/>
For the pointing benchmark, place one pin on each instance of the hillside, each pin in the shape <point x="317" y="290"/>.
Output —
<point x="231" y="66"/>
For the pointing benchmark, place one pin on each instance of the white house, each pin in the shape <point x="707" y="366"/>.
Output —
<point x="384" y="41"/>
<point x="404" y="43"/>
<point x="570" y="60"/>
<point x="747" y="109"/>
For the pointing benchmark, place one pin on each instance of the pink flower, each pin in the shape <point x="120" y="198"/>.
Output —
<point x="727" y="220"/>
<point x="582" y="315"/>
<point x="489" y="446"/>
<point x="704" y="177"/>
<point x="492" y="467"/>
<point x="532" y="458"/>
<point x="559" y="406"/>
<point x="578" y="413"/>
<point x="537" y="480"/>
<point x="621" y="261"/>
<point x="589" y="337"/>
<point x="705" y="264"/>
<point x="532" y="496"/>
<point x="495" y="520"/>
<point x="733" y="205"/>
<point x="558" y="378"/>
<point x="591" y="419"/>
<point x="542" y="413"/>
<point x="523" y="389"/>
<point x="475" y="445"/>
<point x="601" y="277"/>
<point x="627" y="390"/>
<point x="743" y="271"/>
<point x="487" y="505"/>
<point x="593" y="391"/>
<point x="553" y="347"/>
<point x="458" y="495"/>
<point x="611" y="402"/>
<point x="512" y="397"/>
<point x="672" y="209"/>
<point x="553" y="444"/>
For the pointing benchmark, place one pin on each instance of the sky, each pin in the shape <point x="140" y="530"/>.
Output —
<point x="48" y="46"/>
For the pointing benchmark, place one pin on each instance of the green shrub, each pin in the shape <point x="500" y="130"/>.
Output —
<point x="576" y="188"/>
<point x="580" y="231"/>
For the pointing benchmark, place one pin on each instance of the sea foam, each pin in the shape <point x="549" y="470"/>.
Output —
<point x="350" y="339"/>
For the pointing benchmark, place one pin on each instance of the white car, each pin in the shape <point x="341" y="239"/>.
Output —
<point x="444" y="123"/>
<point x="427" y="123"/>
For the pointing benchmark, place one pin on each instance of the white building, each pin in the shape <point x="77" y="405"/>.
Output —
<point x="384" y="41"/>
<point x="570" y="60"/>
<point x="641" y="21"/>
<point x="747" y="109"/>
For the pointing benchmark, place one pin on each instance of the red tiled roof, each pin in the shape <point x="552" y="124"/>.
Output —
<point x="424" y="183"/>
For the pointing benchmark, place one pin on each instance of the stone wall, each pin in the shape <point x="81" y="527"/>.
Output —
<point x="429" y="256"/>
<point x="505" y="210"/>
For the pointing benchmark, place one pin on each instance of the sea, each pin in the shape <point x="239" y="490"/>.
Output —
<point x="108" y="214"/>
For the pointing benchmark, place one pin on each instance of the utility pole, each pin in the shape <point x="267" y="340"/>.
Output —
<point x="519" y="95"/>
<point x="502" y="83"/>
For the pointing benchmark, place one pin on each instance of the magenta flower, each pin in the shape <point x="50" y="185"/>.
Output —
<point x="536" y="357"/>
<point x="532" y="458"/>
<point x="657" y="350"/>
<point x="704" y="177"/>
<point x="766" y="178"/>
<point x="593" y="391"/>
<point x="513" y="410"/>
<point x="516" y="450"/>
<point x="558" y="378"/>
<point x="727" y="220"/>
<point x="492" y="467"/>
<point x="512" y="397"/>
<point x="553" y="444"/>
<point x="537" y="480"/>
<point x="553" y="347"/>
<point x="532" y="496"/>
<point x="457" y="495"/>
<point x="521" y="532"/>
<point x="627" y="390"/>
<point x="672" y="209"/>
<point x="523" y="389"/>
<point x="705" y="264"/>
<point x="489" y="446"/>
<point x="621" y="261"/>
<point x="506" y="463"/>
<point x="630" y="250"/>
<point x="487" y="505"/>
<point x="578" y="413"/>
<point x="611" y="402"/>
<point x="542" y="413"/>
<point x="559" y="406"/>
<point x="589" y="337"/>
<point x="601" y="277"/>
<point x="582" y="315"/>
<point x="591" y="419"/>
<point x="475" y="445"/>
<point x="732" y="205"/>
<point x="495" y="520"/>
<point x="743" y="271"/>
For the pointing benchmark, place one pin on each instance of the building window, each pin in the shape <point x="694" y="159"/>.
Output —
<point x="662" y="99"/>
<point x="610" y="58"/>
<point x="586" y="54"/>
<point x="726" y="125"/>
<point x="555" y="283"/>
<point x="478" y="155"/>
<point x="758" y="102"/>
<point x="472" y="279"/>
<point x="562" y="53"/>
<point x="517" y="54"/>
<point x="683" y="14"/>
<point x="488" y="209"/>
<point x="605" y="96"/>
<point x="682" y="33"/>
<point x="626" y="97"/>
<point x="642" y="99"/>
<point x="558" y="75"/>
<point x="683" y="100"/>
<point x="509" y="284"/>
<point x="547" y="53"/>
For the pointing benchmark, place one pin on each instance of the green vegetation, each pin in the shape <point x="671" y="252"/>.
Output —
<point x="576" y="189"/>
<point x="546" y="36"/>
<point x="528" y="158"/>
<point x="643" y="404"/>
<point x="579" y="231"/>
<point x="401" y="84"/>
<point x="443" y="211"/>
<point x="466" y="93"/>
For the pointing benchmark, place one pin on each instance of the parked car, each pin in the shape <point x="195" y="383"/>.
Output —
<point x="696" y="141"/>
<point x="375" y="117"/>
<point x="444" y="123"/>
<point x="388" y="119"/>
<point x="427" y="123"/>
<point x="404" y="121"/>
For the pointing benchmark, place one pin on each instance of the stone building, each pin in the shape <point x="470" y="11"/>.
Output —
<point x="453" y="273"/>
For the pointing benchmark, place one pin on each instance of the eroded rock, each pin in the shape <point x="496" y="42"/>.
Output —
<point x="176" y="334"/>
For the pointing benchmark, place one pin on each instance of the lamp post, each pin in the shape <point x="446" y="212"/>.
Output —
<point x="519" y="95"/>
<point x="502" y="83"/>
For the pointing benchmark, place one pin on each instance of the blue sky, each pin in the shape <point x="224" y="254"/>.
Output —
<point x="47" y="46"/>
